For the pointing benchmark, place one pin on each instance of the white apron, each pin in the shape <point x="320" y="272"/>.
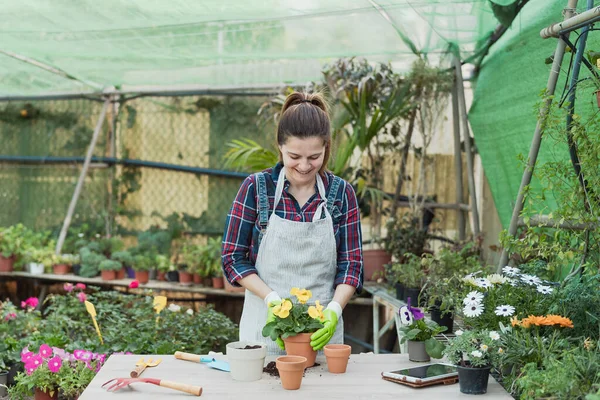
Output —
<point x="293" y="254"/>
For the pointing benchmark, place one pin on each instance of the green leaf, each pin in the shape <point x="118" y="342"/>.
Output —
<point x="434" y="348"/>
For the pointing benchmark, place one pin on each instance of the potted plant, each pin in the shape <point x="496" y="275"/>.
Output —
<point x="125" y="258"/>
<point x="412" y="275"/>
<point x="51" y="370"/>
<point x="295" y="322"/>
<point x="39" y="260"/>
<point x="246" y="360"/>
<point x="142" y="264"/>
<point x="162" y="267"/>
<point x="212" y="262"/>
<point x="420" y="334"/>
<point x="12" y="244"/>
<point x="109" y="268"/>
<point x="474" y="352"/>
<point x="90" y="261"/>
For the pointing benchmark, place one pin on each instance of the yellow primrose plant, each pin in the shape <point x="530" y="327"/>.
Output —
<point x="294" y="317"/>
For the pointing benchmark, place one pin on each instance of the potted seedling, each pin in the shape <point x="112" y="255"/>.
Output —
<point x="109" y="268"/>
<point x="125" y="258"/>
<point x="142" y="264"/>
<point x="162" y="267"/>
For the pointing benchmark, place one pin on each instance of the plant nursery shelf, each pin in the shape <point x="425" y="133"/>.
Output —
<point x="362" y="380"/>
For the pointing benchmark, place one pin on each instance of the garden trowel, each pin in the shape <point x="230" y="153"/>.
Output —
<point x="208" y="360"/>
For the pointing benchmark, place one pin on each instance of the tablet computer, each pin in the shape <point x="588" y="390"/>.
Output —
<point x="424" y="375"/>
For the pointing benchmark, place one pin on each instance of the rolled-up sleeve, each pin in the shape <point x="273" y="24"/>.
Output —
<point x="237" y="238"/>
<point x="349" y="255"/>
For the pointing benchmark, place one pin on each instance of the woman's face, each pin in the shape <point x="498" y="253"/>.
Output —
<point x="303" y="158"/>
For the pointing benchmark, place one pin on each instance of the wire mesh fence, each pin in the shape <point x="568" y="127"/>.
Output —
<point x="156" y="159"/>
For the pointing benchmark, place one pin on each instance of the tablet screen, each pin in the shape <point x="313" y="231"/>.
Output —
<point x="427" y="371"/>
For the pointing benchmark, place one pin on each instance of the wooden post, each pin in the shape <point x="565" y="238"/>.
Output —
<point x="462" y="106"/>
<point x="537" y="135"/>
<point x="460" y="215"/>
<point x="82" y="175"/>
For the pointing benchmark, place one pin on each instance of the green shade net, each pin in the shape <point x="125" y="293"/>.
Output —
<point x="504" y="111"/>
<point x="137" y="45"/>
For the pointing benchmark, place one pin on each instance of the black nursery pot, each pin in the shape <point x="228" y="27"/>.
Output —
<point x="473" y="380"/>
<point x="399" y="291"/>
<point x="447" y="320"/>
<point x="413" y="293"/>
<point x="76" y="268"/>
<point x="173" y="276"/>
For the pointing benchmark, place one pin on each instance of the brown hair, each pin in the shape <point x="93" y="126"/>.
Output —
<point x="303" y="116"/>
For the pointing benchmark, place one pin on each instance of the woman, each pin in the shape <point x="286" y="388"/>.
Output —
<point x="295" y="225"/>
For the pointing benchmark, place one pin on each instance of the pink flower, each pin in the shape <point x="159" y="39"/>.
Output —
<point x="29" y="370"/>
<point x="80" y="286"/>
<point x="81" y="296"/>
<point x="68" y="287"/>
<point x="83" y="355"/>
<point x="33" y="362"/>
<point x="25" y="355"/>
<point x="54" y="364"/>
<point x="134" y="284"/>
<point x="10" y="316"/>
<point x="30" y="302"/>
<point x="45" y="351"/>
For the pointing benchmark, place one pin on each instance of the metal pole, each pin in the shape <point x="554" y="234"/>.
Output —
<point x="574" y="22"/>
<point x="458" y="163"/>
<point x="537" y="136"/>
<point x="82" y="175"/>
<point x="462" y="106"/>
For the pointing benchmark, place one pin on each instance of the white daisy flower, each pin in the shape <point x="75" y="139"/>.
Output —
<point x="174" y="307"/>
<point x="474" y="310"/>
<point x="484" y="347"/>
<point x="483" y="283"/>
<point x="494" y="335"/>
<point x="472" y="298"/>
<point x="469" y="279"/>
<point x="458" y="332"/>
<point x="504" y="310"/>
<point x="513" y="282"/>
<point x="531" y="279"/>
<point x="406" y="317"/>
<point x="80" y="235"/>
<point x="496" y="279"/>
<point x="477" y="353"/>
<point x="544" y="289"/>
<point x="190" y="311"/>
<point x="500" y="350"/>
<point x="512" y="271"/>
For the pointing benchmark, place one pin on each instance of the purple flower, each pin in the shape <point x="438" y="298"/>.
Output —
<point x="54" y="364"/>
<point x="416" y="312"/>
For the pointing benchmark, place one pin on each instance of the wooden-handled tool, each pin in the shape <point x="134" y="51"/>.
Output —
<point x="208" y="360"/>
<point x="141" y="366"/>
<point x="119" y="383"/>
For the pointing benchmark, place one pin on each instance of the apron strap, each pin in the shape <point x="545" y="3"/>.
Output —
<point x="279" y="189"/>
<point x="263" y="204"/>
<point x="335" y="184"/>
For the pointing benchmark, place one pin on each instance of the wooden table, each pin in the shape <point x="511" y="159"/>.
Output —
<point x="361" y="381"/>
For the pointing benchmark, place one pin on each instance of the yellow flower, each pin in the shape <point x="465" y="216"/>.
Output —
<point x="283" y="310"/>
<point x="588" y="344"/>
<point x="302" y="294"/>
<point x="316" y="311"/>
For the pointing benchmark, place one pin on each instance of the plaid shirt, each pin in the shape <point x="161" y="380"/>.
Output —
<point x="242" y="227"/>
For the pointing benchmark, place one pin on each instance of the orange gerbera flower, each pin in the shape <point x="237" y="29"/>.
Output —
<point x="560" y="320"/>
<point x="515" y="321"/>
<point x="538" y="320"/>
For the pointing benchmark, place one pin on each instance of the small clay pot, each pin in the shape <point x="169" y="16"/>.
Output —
<point x="197" y="278"/>
<point x="299" y="345"/>
<point x="218" y="282"/>
<point x="142" y="276"/>
<point x="61" y="269"/>
<point x="291" y="369"/>
<point x="108" y="275"/>
<point x="121" y="273"/>
<point x="185" y="278"/>
<point x="337" y="357"/>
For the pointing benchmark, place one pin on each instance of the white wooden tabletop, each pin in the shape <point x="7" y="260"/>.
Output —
<point x="361" y="381"/>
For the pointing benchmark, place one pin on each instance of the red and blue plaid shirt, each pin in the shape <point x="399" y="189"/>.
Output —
<point x="242" y="228"/>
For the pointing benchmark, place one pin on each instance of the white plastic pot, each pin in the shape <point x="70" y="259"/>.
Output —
<point x="36" y="268"/>
<point x="246" y="365"/>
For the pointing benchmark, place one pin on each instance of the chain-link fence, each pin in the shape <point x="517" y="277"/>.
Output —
<point x="157" y="159"/>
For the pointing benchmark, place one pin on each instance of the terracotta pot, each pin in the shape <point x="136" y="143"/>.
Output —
<point x="142" y="276"/>
<point x="337" y="357"/>
<point x="161" y="275"/>
<point x="108" y="275"/>
<point x="299" y="345"/>
<point x="291" y="369"/>
<point x="196" y="278"/>
<point x="374" y="260"/>
<point x="185" y="278"/>
<point x="218" y="283"/>
<point x="230" y="288"/>
<point x="40" y="395"/>
<point x="61" y="269"/>
<point x="6" y="264"/>
<point x="121" y="273"/>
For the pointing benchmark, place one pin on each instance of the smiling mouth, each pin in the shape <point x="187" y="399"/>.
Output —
<point x="303" y="173"/>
